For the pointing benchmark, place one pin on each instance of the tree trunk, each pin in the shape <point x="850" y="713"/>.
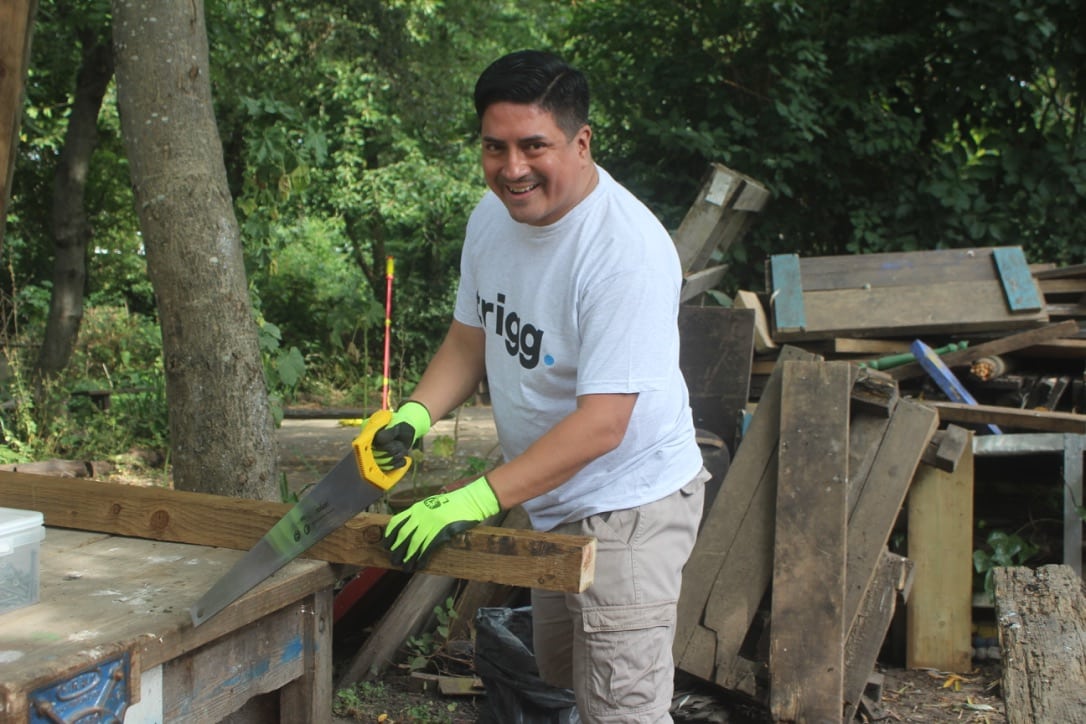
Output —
<point x="71" y="231"/>
<point x="16" y="27"/>
<point x="221" y="431"/>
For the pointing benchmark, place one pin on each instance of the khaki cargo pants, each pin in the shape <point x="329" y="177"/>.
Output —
<point x="612" y="643"/>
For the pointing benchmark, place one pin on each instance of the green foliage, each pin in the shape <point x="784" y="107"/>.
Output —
<point x="1004" y="549"/>
<point x="119" y="353"/>
<point x="375" y="701"/>
<point x="424" y="648"/>
<point x="876" y="127"/>
<point x="348" y="136"/>
<point x="283" y="368"/>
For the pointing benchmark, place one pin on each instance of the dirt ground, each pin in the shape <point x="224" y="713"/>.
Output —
<point x="465" y="445"/>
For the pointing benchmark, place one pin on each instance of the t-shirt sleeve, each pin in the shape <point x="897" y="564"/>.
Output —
<point x="629" y="331"/>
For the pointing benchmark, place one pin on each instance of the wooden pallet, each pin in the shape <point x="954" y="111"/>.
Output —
<point x="945" y="291"/>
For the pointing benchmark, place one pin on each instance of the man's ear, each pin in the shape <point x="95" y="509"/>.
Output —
<point x="584" y="141"/>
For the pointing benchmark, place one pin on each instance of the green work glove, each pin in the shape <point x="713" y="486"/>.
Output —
<point x="413" y="534"/>
<point x="394" y="441"/>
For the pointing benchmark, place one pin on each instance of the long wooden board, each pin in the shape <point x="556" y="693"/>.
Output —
<point x="806" y="651"/>
<point x="966" y="307"/>
<point x="1009" y="417"/>
<point x="514" y="557"/>
<point x="880" y="496"/>
<point x="940" y="539"/>
<point x="731" y="565"/>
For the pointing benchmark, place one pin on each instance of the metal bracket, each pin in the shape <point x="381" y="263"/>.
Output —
<point x="99" y="693"/>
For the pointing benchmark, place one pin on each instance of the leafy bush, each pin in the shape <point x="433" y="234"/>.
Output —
<point x="117" y="352"/>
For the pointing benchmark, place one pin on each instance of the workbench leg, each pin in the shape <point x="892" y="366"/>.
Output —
<point x="309" y="697"/>
<point x="1072" y="498"/>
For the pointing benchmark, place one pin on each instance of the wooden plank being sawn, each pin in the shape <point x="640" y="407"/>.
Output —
<point x="806" y="651"/>
<point x="731" y="565"/>
<point x="515" y="557"/>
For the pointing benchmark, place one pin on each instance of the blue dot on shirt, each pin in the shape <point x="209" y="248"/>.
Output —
<point x="548" y="360"/>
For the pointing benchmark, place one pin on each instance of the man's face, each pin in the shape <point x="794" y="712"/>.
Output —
<point x="537" y="172"/>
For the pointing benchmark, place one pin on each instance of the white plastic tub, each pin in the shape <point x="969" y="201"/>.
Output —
<point x="21" y="534"/>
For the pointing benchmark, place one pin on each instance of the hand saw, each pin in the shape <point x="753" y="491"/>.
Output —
<point x="349" y="488"/>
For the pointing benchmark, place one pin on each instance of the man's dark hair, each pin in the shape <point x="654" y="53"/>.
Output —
<point x="534" y="77"/>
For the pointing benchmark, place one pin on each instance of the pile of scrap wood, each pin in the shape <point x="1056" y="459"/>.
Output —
<point x="1009" y="338"/>
<point x="805" y="512"/>
<point x="830" y="388"/>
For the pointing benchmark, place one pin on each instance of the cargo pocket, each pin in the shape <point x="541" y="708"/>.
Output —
<point x="628" y="657"/>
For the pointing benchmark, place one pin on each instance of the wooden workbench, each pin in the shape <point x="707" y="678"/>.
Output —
<point x="117" y="608"/>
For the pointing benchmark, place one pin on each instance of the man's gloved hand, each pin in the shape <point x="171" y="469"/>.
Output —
<point x="416" y="532"/>
<point x="394" y="441"/>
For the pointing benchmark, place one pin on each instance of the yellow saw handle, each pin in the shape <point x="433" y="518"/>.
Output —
<point x="363" y="453"/>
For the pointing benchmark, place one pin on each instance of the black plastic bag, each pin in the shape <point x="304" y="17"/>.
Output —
<point x="505" y="662"/>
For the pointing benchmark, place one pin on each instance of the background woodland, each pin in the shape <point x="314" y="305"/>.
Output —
<point x="347" y="135"/>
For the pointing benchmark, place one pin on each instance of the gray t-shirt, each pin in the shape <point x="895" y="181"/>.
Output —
<point x="586" y="305"/>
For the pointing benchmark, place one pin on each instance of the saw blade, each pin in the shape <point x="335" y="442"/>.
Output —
<point x="338" y="497"/>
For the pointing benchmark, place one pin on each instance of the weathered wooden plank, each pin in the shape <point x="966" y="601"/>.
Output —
<point x="1019" y="286"/>
<point x="946" y="448"/>
<point x="961" y="307"/>
<point x="763" y="341"/>
<point x="1042" y="636"/>
<point x="1062" y="272"/>
<point x="731" y="564"/>
<point x="519" y="558"/>
<point x="868" y="635"/>
<point x="1010" y="343"/>
<point x="309" y="697"/>
<point x="898" y="269"/>
<point x="806" y="653"/>
<point x="854" y="345"/>
<point x="786" y="300"/>
<point x="715" y="352"/>
<point x="1073" y="288"/>
<point x="695" y="232"/>
<point x="874" y="392"/>
<point x="866" y="432"/>
<point x="940" y="540"/>
<point x="881" y="494"/>
<point x="226" y="673"/>
<point x="1009" y="417"/>
<point x="701" y="281"/>
<point x="721" y="214"/>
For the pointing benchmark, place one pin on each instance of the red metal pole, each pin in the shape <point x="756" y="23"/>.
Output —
<point x="386" y="379"/>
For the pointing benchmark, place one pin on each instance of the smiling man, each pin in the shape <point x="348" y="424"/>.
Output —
<point x="568" y="303"/>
